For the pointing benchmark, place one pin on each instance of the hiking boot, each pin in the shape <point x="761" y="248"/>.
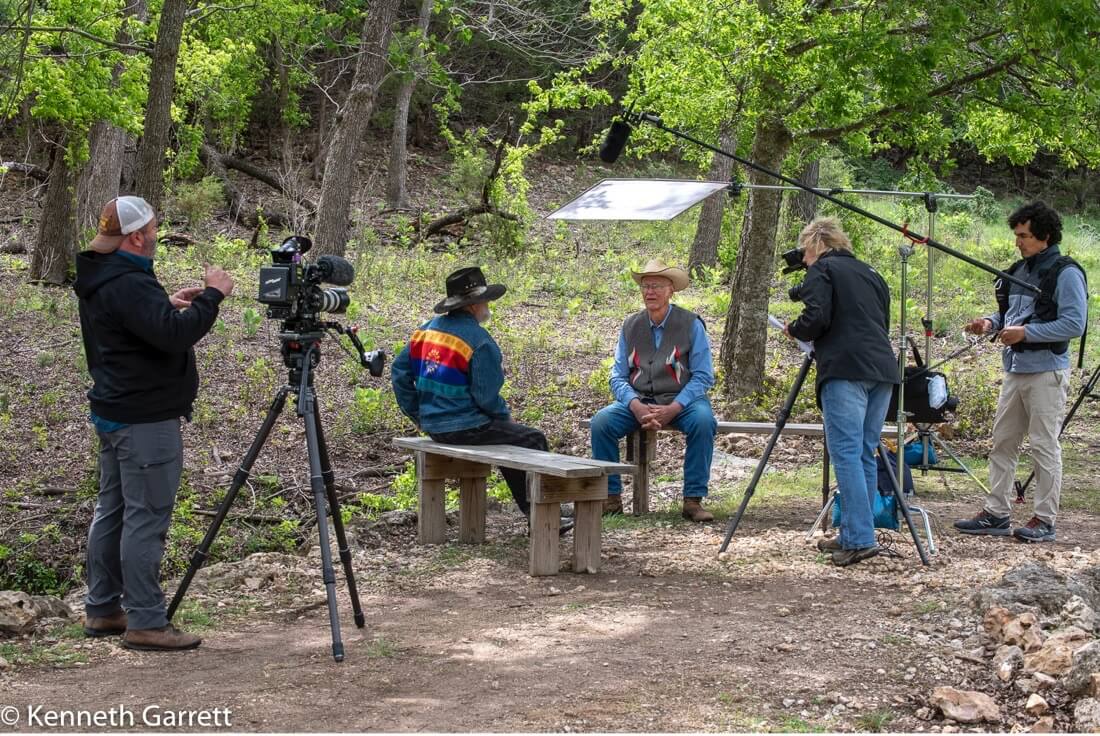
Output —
<point x="845" y="557"/>
<point x="829" y="544"/>
<point x="564" y="526"/>
<point x="165" y="639"/>
<point x="112" y="625"/>
<point x="985" y="523"/>
<point x="1035" y="530"/>
<point x="613" y="505"/>
<point x="694" y="511"/>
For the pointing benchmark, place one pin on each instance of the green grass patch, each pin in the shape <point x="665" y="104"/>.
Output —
<point x="876" y="721"/>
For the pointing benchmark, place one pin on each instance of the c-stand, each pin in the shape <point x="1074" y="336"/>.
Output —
<point x="301" y="354"/>
<point x="780" y="422"/>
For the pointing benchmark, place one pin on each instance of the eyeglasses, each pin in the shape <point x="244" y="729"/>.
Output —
<point x="654" y="287"/>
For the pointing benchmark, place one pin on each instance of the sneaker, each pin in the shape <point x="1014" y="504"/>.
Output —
<point x="165" y="639"/>
<point x="845" y="557"/>
<point x="112" y="625"/>
<point x="694" y="511"/>
<point x="1035" y="530"/>
<point x="985" y="523"/>
<point x="829" y="544"/>
<point x="613" y="505"/>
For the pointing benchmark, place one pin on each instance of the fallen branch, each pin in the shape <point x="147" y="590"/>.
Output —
<point x="215" y="163"/>
<point x="257" y="518"/>
<point x="34" y="172"/>
<point x="178" y="239"/>
<point x="485" y="207"/>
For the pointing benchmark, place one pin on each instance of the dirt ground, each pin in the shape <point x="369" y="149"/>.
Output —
<point x="665" y="637"/>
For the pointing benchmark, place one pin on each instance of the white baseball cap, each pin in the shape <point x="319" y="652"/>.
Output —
<point x="120" y="217"/>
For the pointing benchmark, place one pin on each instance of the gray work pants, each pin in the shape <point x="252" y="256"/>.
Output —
<point x="139" y="474"/>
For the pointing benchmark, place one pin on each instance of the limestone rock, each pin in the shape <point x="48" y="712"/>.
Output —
<point x="1093" y="690"/>
<point x="1034" y="586"/>
<point x="20" y="612"/>
<point x="965" y="706"/>
<point x="1085" y="662"/>
<point x="1007" y="660"/>
<point x="1036" y="705"/>
<point x="1023" y="631"/>
<point x="1043" y="681"/>
<point x="1077" y="612"/>
<point x="1073" y="636"/>
<point x="1055" y="660"/>
<point x="1043" y="725"/>
<point x="1086" y="716"/>
<point x="994" y="622"/>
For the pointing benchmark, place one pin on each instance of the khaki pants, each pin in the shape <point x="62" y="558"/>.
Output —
<point x="1031" y="404"/>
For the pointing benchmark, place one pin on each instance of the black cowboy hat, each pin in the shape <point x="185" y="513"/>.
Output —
<point x="467" y="286"/>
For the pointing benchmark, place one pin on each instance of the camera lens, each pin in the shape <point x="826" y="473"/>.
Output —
<point x="334" y="301"/>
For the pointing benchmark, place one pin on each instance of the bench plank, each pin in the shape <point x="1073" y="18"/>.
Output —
<point x="521" y="458"/>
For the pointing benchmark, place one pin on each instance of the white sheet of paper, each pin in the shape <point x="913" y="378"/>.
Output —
<point x="806" y="347"/>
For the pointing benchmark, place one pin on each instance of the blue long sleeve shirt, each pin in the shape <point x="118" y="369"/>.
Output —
<point x="1072" y="301"/>
<point x="700" y="363"/>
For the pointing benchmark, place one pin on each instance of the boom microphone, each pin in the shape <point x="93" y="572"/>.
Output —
<point x="615" y="142"/>
<point x="336" y="270"/>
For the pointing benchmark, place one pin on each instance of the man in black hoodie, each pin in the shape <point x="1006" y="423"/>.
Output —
<point x="139" y="342"/>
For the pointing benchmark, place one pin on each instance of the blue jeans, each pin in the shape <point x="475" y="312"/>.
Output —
<point x="696" y="421"/>
<point x="854" y="413"/>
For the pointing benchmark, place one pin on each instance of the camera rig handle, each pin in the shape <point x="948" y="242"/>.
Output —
<point x="374" y="361"/>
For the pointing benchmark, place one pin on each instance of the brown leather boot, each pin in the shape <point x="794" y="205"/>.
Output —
<point x="166" y="639"/>
<point x="613" y="505"/>
<point x="112" y="625"/>
<point x="694" y="511"/>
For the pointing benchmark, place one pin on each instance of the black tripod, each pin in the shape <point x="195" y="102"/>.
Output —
<point x="780" y="422"/>
<point x="301" y="354"/>
<point x="1086" y="393"/>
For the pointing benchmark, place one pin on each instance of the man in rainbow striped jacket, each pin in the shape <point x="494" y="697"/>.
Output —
<point x="448" y="378"/>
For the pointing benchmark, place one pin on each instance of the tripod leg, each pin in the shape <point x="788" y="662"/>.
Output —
<point x="780" y="422"/>
<point x="825" y="497"/>
<point x="317" y="485"/>
<point x="900" y="497"/>
<point x="201" y="554"/>
<point x="337" y="519"/>
<point x="943" y="446"/>
<point x="822" y="518"/>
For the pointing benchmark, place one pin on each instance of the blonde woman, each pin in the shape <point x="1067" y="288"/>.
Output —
<point x="846" y="313"/>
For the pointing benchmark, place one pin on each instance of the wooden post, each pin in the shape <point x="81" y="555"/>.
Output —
<point x="641" y="450"/>
<point x="471" y="510"/>
<point x="431" y="519"/>
<point x="543" y="553"/>
<point x="587" y="516"/>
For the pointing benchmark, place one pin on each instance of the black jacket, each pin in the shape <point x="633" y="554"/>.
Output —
<point x="846" y="313"/>
<point x="138" y="346"/>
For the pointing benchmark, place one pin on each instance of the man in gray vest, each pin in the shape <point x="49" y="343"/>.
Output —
<point x="662" y="372"/>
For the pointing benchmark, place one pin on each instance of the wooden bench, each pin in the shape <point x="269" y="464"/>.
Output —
<point x="641" y="449"/>
<point x="552" y="480"/>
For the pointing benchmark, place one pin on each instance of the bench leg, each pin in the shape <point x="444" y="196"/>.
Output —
<point x="587" y="516"/>
<point x="545" y="557"/>
<point x="431" y="518"/>
<point x="642" y="449"/>
<point x="471" y="505"/>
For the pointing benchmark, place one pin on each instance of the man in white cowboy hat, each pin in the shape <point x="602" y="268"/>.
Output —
<point x="448" y="378"/>
<point x="139" y="342"/>
<point x="662" y="372"/>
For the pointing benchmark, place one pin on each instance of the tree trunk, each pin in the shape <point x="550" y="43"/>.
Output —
<point x="149" y="179"/>
<point x="101" y="177"/>
<point x="803" y="205"/>
<point x="745" y="337"/>
<point x="334" y="208"/>
<point x="55" y="244"/>
<point x="397" y="195"/>
<point x="704" y="249"/>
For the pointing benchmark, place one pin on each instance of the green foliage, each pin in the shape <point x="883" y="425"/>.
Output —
<point x="197" y="201"/>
